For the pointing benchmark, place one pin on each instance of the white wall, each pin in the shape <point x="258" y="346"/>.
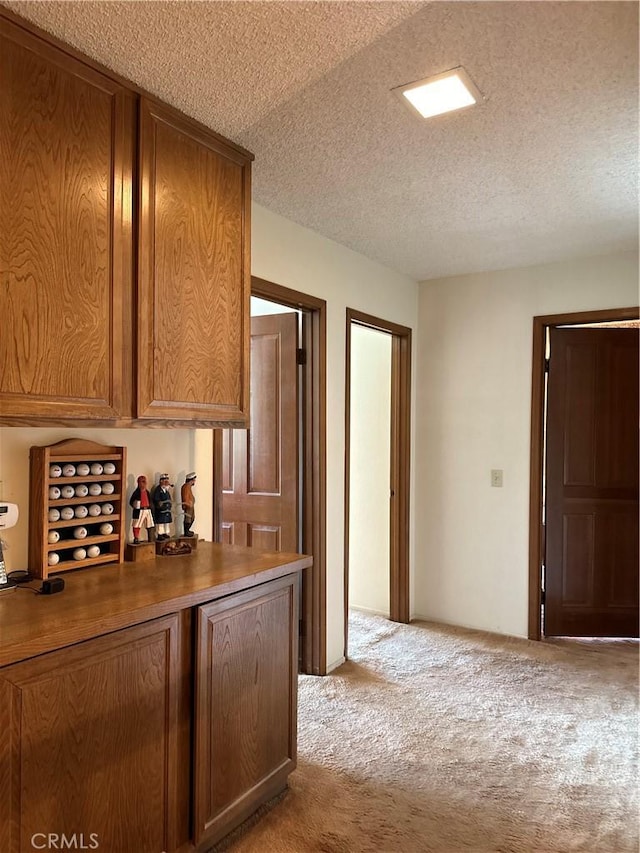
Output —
<point x="369" y="471"/>
<point x="473" y="414"/>
<point x="295" y="257"/>
<point x="263" y="307"/>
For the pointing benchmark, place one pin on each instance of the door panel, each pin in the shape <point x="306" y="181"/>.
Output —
<point x="592" y="486"/>
<point x="228" y="533"/>
<point x="264" y="536"/>
<point x="227" y="465"/>
<point x="265" y="436"/>
<point x="620" y="530"/>
<point x="260" y="465"/>
<point x="579" y="428"/>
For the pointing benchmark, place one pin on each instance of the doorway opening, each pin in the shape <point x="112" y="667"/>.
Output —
<point x="583" y="479"/>
<point x="369" y="488"/>
<point x="388" y="345"/>
<point x="286" y="510"/>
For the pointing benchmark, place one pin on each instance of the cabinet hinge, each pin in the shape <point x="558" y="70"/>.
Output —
<point x="542" y="596"/>
<point x="546" y="365"/>
<point x="301" y="356"/>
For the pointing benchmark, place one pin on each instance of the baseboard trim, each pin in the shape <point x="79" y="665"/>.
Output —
<point x="385" y="614"/>
<point x="463" y="627"/>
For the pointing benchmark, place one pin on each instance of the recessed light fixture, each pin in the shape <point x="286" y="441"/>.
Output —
<point x="451" y="90"/>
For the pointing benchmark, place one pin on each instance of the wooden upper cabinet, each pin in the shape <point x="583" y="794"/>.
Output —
<point x="192" y="359"/>
<point x="66" y="156"/>
<point x="80" y="338"/>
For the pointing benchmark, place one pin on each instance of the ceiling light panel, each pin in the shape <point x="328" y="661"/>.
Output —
<point x="452" y="90"/>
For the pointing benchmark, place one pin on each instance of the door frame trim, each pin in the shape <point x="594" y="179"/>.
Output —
<point x="536" y="463"/>
<point x="400" y="462"/>
<point x="313" y="612"/>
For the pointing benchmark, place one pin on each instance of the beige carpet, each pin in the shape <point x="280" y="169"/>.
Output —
<point x="435" y="739"/>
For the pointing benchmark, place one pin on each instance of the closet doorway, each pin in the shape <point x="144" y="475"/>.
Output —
<point x="377" y="466"/>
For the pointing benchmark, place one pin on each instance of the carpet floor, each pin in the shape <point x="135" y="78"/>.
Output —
<point x="434" y="739"/>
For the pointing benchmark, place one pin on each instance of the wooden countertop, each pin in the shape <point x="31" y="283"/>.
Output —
<point x="106" y="598"/>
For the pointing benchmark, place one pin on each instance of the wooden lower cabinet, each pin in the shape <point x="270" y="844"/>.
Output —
<point x="245" y="723"/>
<point x="156" y="737"/>
<point x="90" y="743"/>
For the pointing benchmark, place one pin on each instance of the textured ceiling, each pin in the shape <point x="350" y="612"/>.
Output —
<point x="545" y="169"/>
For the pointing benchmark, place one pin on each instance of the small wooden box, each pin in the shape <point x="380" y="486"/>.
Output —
<point x="140" y="553"/>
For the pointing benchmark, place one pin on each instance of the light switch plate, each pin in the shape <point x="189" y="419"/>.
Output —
<point x="496" y="477"/>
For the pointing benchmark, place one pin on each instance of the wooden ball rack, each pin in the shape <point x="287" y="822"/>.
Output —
<point x="74" y="451"/>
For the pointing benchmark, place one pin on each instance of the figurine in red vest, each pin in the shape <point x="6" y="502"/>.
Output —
<point x="140" y="500"/>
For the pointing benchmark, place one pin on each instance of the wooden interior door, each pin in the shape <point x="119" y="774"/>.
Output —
<point x="592" y="484"/>
<point x="260" y="465"/>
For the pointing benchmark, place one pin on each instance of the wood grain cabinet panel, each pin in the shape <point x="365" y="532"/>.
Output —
<point x="66" y="159"/>
<point x="245" y="704"/>
<point x="194" y="278"/>
<point x="90" y="745"/>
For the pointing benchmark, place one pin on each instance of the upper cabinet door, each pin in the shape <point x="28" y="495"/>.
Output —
<point x="66" y="155"/>
<point x="194" y="272"/>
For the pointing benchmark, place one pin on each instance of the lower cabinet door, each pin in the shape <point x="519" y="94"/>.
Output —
<point x="89" y="745"/>
<point x="246" y="673"/>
